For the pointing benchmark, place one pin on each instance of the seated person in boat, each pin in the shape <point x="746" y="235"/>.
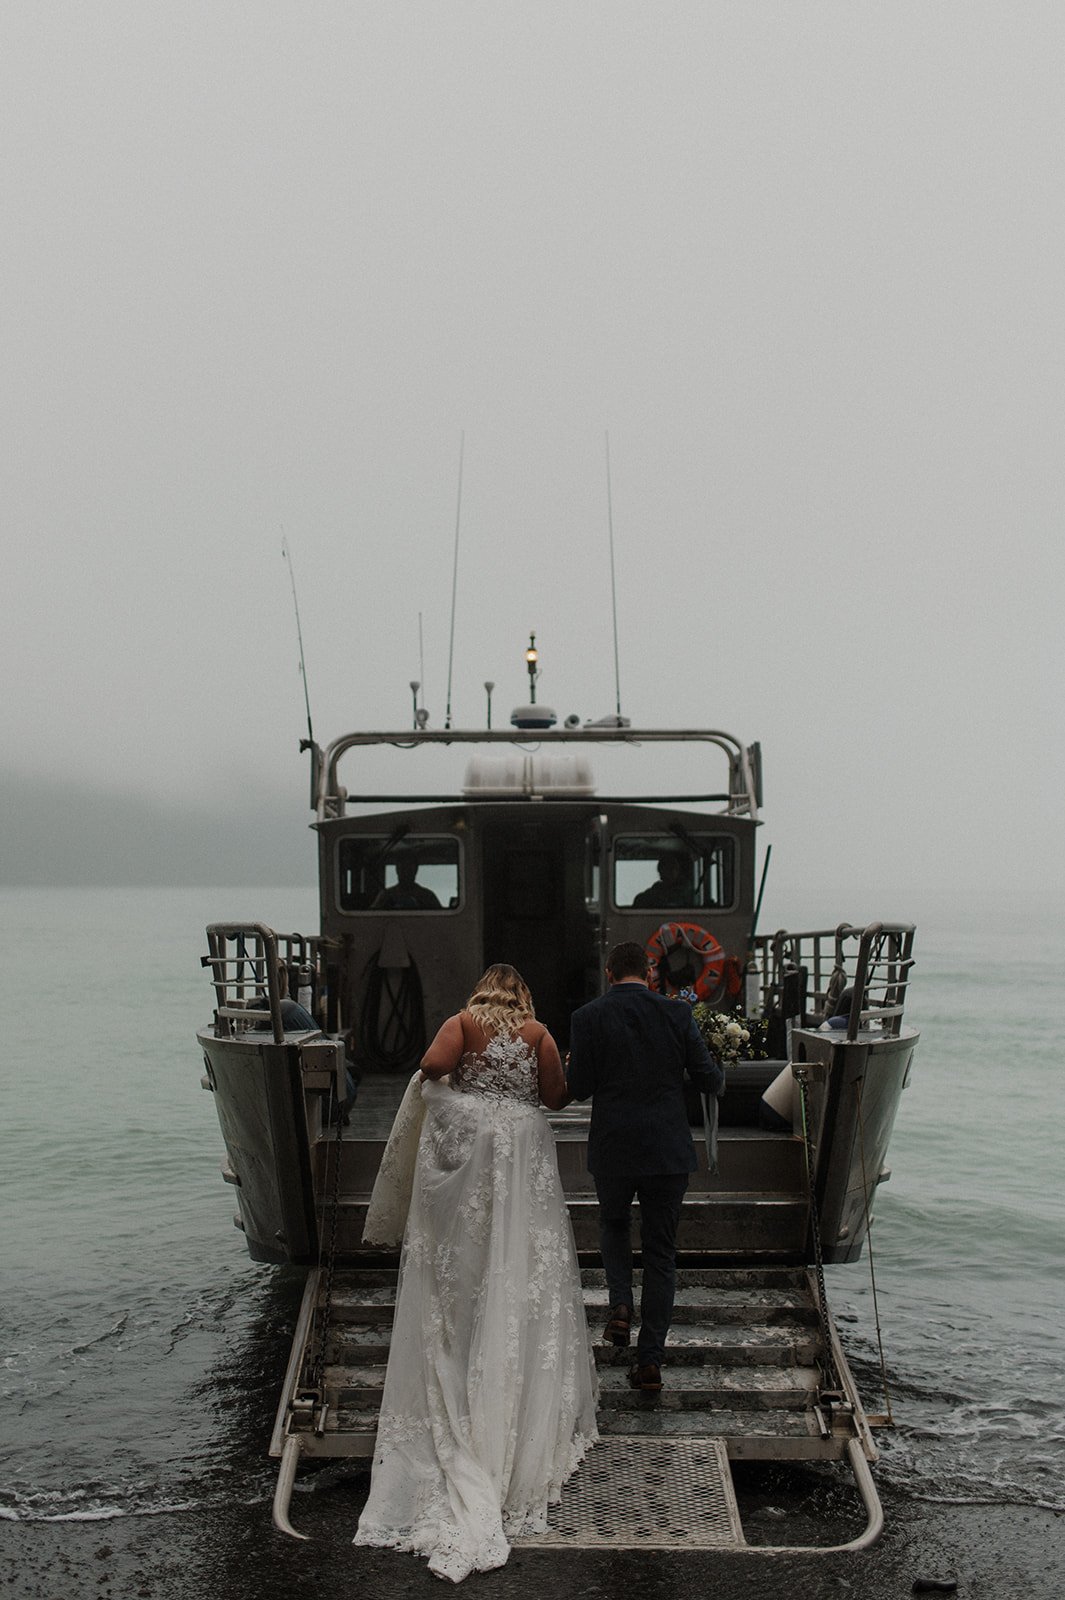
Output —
<point x="841" y="1012"/>
<point x="776" y="1111"/>
<point x="673" y="888"/>
<point x="406" y="894"/>
<point x="297" y="1019"/>
<point x="294" y="1017"/>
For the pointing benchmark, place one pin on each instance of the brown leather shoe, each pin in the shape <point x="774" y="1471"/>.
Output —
<point x="619" y="1327"/>
<point x="647" y="1377"/>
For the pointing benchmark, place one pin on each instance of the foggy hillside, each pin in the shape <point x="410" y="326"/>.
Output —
<point x="77" y="835"/>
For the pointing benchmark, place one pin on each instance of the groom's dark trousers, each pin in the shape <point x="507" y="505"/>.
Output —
<point x="630" y="1050"/>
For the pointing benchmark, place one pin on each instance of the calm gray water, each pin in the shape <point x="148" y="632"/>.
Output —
<point x="142" y="1351"/>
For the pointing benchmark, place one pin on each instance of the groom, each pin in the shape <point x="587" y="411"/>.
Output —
<point x="630" y="1050"/>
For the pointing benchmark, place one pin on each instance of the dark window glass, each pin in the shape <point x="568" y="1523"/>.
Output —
<point x="661" y="872"/>
<point x="408" y="874"/>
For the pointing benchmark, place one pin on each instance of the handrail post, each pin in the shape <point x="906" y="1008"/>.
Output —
<point x="218" y="933"/>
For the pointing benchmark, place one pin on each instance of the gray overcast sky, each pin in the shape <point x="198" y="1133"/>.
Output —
<point x="263" y="264"/>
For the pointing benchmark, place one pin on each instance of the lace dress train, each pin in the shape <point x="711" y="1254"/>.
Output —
<point x="489" y="1399"/>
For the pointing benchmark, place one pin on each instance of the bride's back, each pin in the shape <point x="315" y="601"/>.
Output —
<point x="498" y="1062"/>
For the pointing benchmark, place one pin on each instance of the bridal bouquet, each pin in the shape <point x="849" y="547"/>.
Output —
<point x="731" y="1036"/>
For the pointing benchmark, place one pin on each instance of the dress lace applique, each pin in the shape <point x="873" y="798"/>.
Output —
<point x="489" y="1400"/>
<point x="505" y="1069"/>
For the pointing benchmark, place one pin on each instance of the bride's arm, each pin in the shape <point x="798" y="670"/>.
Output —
<point x="551" y="1078"/>
<point x="445" y="1052"/>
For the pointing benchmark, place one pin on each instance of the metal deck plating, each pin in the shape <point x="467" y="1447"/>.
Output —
<point x="646" y="1494"/>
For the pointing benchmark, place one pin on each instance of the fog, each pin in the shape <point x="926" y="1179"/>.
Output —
<point x="266" y="265"/>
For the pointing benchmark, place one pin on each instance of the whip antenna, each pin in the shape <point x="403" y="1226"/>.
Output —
<point x="299" y="634"/>
<point x="454" y="582"/>
<point x="613" y="584"/>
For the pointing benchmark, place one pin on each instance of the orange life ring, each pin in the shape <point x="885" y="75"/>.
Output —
<point x="685" y="956"/>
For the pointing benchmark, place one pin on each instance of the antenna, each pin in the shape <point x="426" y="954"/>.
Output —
<point x="299" y="634"/>
<point x="421" y="649"/>
<point x="454" y="582"/>
<point x="613" y="584"/>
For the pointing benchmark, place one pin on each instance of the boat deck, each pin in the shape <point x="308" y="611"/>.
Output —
<point x="752" y="1209"/>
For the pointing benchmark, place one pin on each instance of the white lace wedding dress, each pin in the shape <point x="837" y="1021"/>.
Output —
<point x="489" y="1400"/>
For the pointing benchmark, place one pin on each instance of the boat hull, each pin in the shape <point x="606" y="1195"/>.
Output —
<point x="258" y="1089"/>
<point x="854" y="1088"/>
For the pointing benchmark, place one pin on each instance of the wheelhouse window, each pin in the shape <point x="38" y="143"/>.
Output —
<point x="380" y="873"/>
<point x="666" y="872"/>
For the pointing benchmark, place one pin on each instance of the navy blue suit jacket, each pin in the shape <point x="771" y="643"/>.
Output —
<point x="630" y="1050"/>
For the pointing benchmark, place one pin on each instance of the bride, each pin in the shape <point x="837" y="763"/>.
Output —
<point x="489" y="1399"/>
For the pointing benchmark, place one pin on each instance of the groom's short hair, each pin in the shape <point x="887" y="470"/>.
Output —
<point x="627" y="960"/>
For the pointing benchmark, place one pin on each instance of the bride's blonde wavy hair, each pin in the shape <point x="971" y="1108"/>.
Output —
<point x="501" y="1002"/>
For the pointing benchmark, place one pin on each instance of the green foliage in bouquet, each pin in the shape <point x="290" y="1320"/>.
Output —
<point x="731" y="1036"/>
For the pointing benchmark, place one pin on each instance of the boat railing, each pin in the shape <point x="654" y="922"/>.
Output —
<point x="806" y="973"/>
<point x="246" y="962"/>
<point x="329" y="798"/>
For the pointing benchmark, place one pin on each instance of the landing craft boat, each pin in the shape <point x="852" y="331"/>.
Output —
<point x="530" y="864"/>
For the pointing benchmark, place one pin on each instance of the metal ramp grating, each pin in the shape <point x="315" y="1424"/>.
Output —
<point x="646" y="1494"/>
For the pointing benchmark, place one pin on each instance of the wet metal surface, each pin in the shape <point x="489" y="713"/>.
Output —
<point x="644" y="1494"/>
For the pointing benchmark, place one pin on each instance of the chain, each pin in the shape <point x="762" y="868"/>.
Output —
<point x="318" y="1365"/>
<point x="872" y="1269"/>
<point x="828" y="1364"/>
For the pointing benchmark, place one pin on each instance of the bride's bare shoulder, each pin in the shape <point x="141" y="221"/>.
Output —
<point x="473" y="1034"/>
<point x="447" y="1048"/>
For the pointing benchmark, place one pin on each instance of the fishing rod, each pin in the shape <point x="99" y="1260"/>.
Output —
<point x="421" y="650"/>
<point x="286" y="555"/>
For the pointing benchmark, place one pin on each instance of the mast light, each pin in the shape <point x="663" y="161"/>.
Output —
<point x="532" y="658"/>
